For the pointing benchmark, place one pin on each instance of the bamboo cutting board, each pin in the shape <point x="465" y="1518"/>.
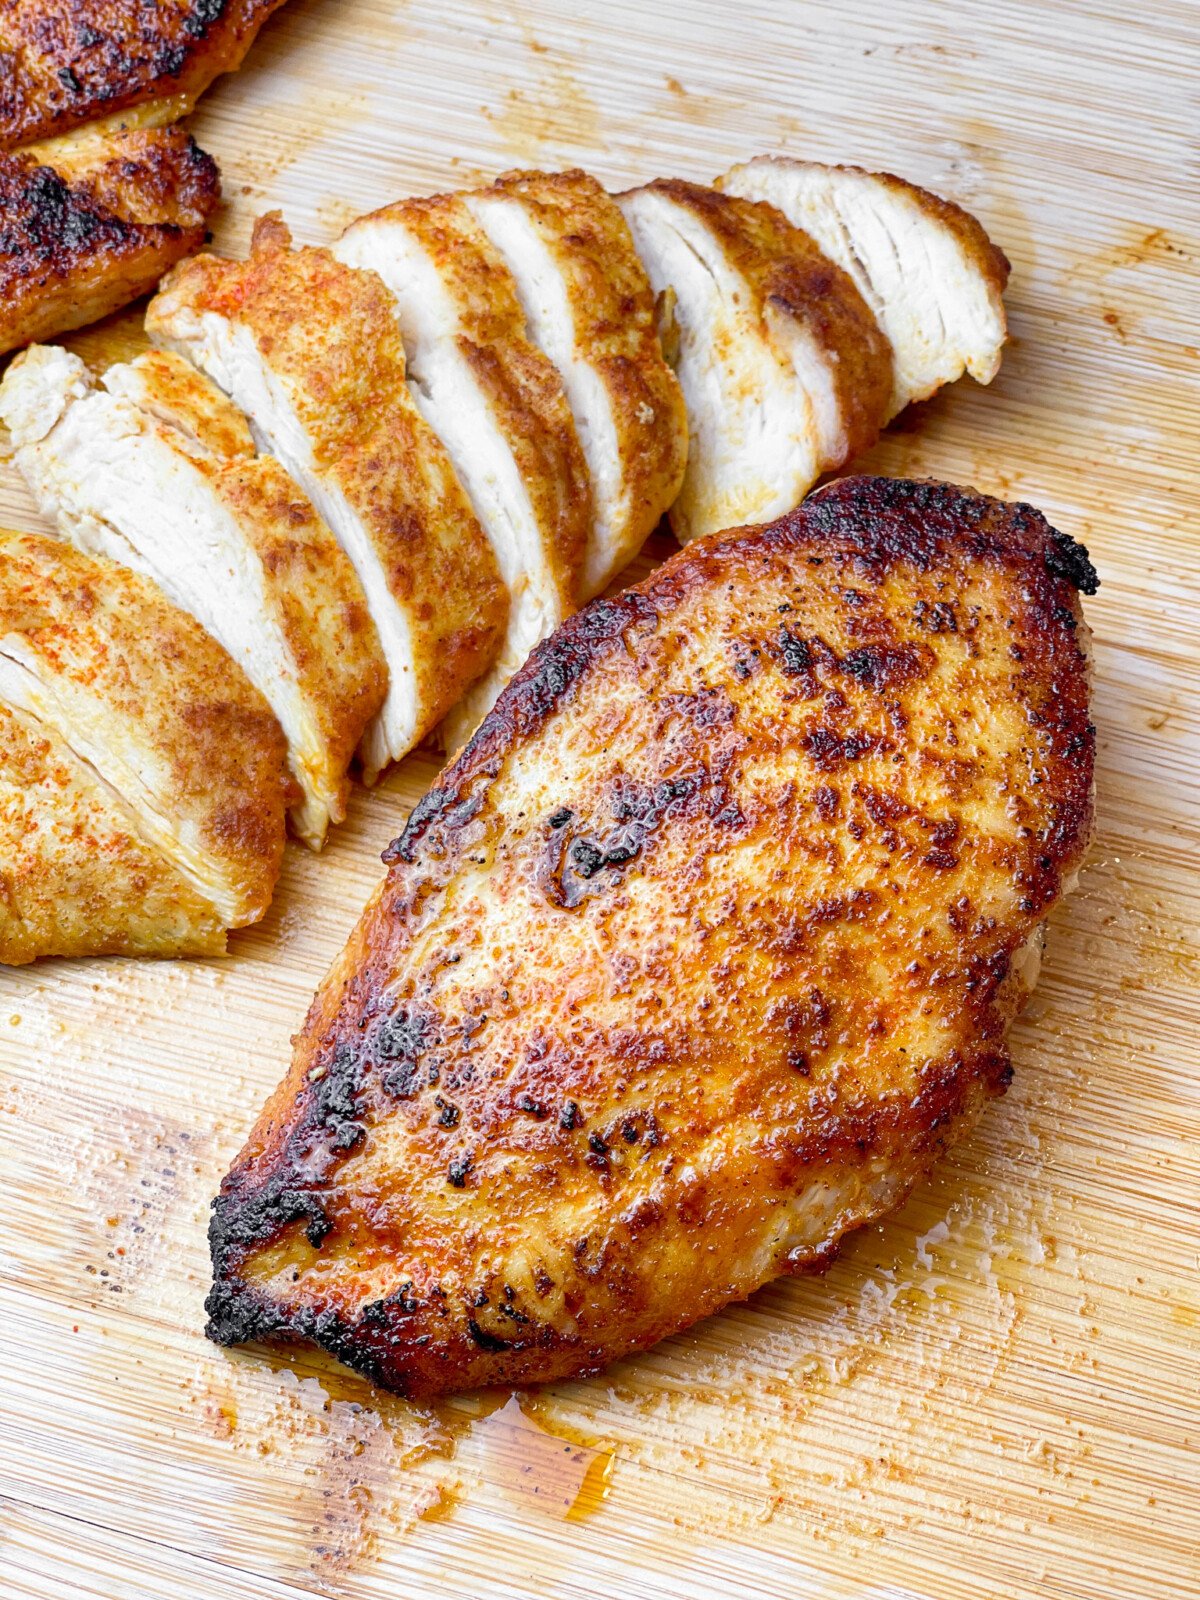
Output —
<point x="995" y="1393"/>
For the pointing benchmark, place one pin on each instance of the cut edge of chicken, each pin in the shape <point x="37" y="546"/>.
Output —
<point x="451" y="402"/>
<point x="753" y="396"/>
<point x="228" y="352"/>
<point x="551" y="325"/>
<point x="24" y="689"/>
<point x="895" y="240"/>
<point x="197" y="552"/>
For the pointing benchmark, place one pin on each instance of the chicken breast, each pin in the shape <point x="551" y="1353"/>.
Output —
<point x="84" y="236"/>
<point x="782" y="367"/>
<point x="70" y="61"/>
<point x="496" y="403"/>
<point x="76" y="877"/>
<point x="589" y="307"/>
<point x="158" y="470"/>
<point x="932" y="277"/>
<point x="310" y="350"/>
<point x="155" y="711"/>
<point x="694" y="959"/>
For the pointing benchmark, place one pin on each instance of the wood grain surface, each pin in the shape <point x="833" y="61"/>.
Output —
<point x="994" y="1394"/>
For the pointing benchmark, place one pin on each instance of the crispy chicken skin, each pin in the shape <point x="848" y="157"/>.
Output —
<point x="591" y="310"/>
<point x="930" y="274"/>
<point x="310" y="350"/>
<point x="696" y="956"/>
<point x="784" y="370"/>
<point x="76" y="878"/>
<point x="86" y="235"/>
<point x="156" y="468"/>
<point x="67" y="62"/>
<point x="155" y="709"/>
<point x="496" y="403"/>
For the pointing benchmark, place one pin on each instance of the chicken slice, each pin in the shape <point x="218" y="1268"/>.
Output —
<point x="76" y="877"/>
<point x="782" y="367"/>
<point x="158" y="470"/>
<point x="65" y="65"/>
<point x="928" y="271"/>
<point x="86" y="235"/>
<point x="692" y="961"/>
<point x="155" y="709"/>
<point x="589" y="307"/>
<point x="497" y="405"/>
<point x="310" y="350"/>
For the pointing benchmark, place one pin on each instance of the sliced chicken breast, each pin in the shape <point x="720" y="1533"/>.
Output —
<point x="783" y="369"/>
<point x="589" y="307"/>
<point x="158" y="470"/>
<point x="89" y="229"/>
<point x="932" y="277"/>
<point x="310" y="350"/>
<point x="496" y="403"/>
<point x="76" y="877"/>
<point x="153" y="707"/>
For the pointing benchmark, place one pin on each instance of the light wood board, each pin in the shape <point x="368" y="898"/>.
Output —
<point x="996" y="1393"/>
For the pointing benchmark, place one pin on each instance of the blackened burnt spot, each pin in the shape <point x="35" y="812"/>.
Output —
<point x="828" y="749"/>
<point x="560" y="818"/>
<point x="531" y="1107"/>
<point x="795" y="655"/>
<point x="1067" y="558"/>
<point x="458" y="1171"/>
<point x="403" y="1039"/>
<point x="573" y="860"/>
<point x="880" y="665"/>
<point x="938" y="617"/>
<point x="485" y="1341"/>
<point x="401" y="1302"/>
<point x="570" y="1116"/>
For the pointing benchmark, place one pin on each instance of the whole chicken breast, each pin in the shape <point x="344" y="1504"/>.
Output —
<point x="86" y="230"/>
<point x="76" y="877"/>
<point x="496" y="403"/>
<point x="157" y="469"/>
<point x="693" y="960"/>
<point x="310" y="350"/>
<point x="68" y="62"/>
<point x="783" y="369"/>
<point x="155" y="710"/>
<point x="589" y="307"/>
<point x="929" y="272"/>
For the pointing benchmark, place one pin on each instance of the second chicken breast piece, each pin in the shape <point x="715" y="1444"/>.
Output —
<point x="310" y="350"/>
<point x="926" y="268"/>
<point x="158" y="470"/>
<point x="155" y="710"/>
<point x="589" y="306"/>
<point x="783" y="369"/>
<point x="498" y="406"/>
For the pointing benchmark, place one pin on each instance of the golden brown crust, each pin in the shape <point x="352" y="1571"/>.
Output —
<point x="119" y="667"/>
<point x="794" y="279"/>
<point x="80" y="242"/>
<point x="523" y="389"/>
<point x="67" y="62"/>
<point x="330" y="332"/>
<point x="612" y="307"/>
<point x="75" y="877"/>
<point x="625" y="1034"/>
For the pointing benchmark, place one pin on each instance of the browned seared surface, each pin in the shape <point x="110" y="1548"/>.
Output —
<point x="695" y="958"/>
<point x="67" y="62"/>
<point x="82" y="238"/>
